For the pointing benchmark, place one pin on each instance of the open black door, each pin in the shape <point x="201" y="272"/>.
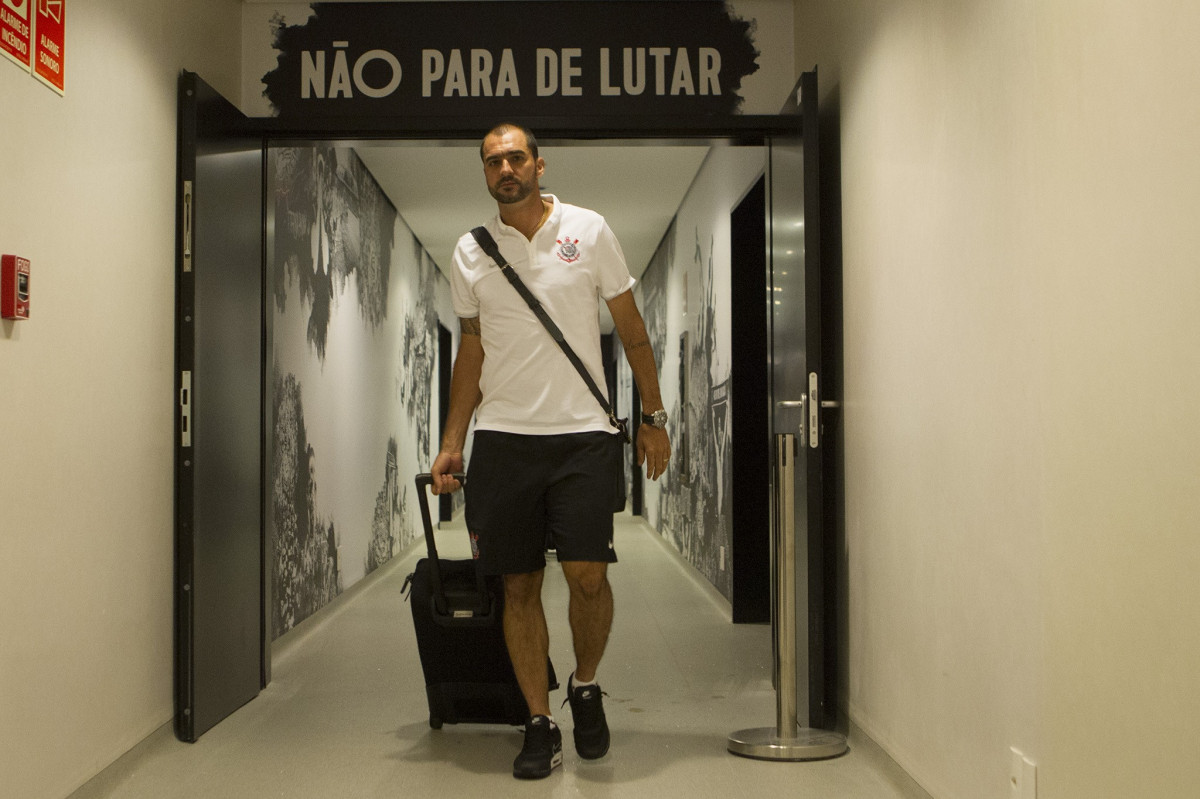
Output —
<point x="221" y="639"/>
<point x="796" y="380"/>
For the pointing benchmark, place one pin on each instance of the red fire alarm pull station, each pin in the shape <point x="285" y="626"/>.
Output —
<point x="14" y="287"/>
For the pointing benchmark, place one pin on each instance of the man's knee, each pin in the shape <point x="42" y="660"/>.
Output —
<point x="585" y="578"/>
<point x="522" y="589"/>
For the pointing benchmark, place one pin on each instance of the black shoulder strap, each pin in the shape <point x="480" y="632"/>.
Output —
<point x="488" y="244"/>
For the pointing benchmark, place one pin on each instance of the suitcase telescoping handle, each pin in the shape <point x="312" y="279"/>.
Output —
<point x="441" y="606"/>
<point x="424" y="481"/>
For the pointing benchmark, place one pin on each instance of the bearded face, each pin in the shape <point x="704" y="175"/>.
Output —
<point x="511" y="170"/>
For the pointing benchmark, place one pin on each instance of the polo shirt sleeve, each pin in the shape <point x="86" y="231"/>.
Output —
<point x="462" y="295"/>
<point x="612" y="273"/>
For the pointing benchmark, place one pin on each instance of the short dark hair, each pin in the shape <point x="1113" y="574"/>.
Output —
<point x="504" y="127"/>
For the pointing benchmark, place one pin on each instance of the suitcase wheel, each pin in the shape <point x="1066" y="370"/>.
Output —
<point x="435" y="722"/>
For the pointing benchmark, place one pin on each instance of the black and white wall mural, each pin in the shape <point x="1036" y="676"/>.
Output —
<point x="684" y="295"/>
<point x="354" y="344"/>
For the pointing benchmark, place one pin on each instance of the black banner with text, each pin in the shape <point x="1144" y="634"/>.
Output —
<point x="680" y="57"/>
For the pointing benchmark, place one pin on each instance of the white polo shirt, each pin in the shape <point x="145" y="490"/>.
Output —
<point x="528" y="385"/>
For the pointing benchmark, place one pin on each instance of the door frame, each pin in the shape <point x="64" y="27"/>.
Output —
<point x="222" y="630"/>
<point x="747" y="130"/>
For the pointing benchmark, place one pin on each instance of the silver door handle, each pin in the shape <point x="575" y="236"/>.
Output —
<point x="802" y="405"/>
<point x="810" y="429"/>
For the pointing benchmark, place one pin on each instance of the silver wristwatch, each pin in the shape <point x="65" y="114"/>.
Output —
<point x="657" y="419"/>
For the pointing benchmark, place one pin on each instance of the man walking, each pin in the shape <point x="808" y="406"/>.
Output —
<point x="543" y="457"/>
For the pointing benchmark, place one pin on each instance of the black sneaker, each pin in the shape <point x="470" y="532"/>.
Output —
<point x="591" y="728"/>
<point x="542" y="750"/>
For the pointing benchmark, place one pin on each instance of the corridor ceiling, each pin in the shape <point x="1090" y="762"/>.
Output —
<point x="439" y="190"/>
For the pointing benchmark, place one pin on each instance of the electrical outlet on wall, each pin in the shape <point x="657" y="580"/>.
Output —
<point x="1023" y="776"/>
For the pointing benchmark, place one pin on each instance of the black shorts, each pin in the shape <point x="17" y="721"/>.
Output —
<point x="522" y="491"/>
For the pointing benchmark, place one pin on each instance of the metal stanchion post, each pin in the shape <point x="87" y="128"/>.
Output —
<point x="786" y="740"/>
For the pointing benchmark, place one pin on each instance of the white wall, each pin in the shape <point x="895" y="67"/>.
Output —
<point x="86" y="408"/>
<point x="1022" y="329"/>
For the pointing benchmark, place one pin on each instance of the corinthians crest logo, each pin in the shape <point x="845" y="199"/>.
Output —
<point x="567" y="251"/>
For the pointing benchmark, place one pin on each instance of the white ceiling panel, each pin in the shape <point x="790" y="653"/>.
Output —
<point x="440" y="193"/>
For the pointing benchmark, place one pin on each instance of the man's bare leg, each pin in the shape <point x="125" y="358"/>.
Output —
<point x="527" y="638"/>
<point x="591" y="614"/>
<point x="591" y="617"/>
<point x="528" y="646"/>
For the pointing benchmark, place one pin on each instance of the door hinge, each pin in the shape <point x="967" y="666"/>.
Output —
<point x="187" y="226"/>
<point x="185" y="408"/>
<point x="814" y="412"/>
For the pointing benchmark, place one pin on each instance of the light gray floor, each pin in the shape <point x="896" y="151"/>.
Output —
<point x="345" y="714"/>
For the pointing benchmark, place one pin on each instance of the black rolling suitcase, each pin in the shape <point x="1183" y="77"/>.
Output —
<point x="457" y="614"/>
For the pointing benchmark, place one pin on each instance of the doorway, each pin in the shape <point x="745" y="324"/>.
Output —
<point x="749" y="393"/>
<point x="324" y="274"/>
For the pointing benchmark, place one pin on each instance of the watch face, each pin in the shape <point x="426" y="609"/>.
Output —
<point x="658" y="419"/>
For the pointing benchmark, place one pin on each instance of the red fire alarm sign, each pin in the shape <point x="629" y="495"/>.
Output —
<point x="50" y="44"/>
<point x="14" y="287"/>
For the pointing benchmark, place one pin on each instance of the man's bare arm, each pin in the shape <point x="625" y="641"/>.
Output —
<point x="653" y="445"/>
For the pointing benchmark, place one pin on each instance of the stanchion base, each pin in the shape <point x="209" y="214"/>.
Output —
<point x="764" y="743"/>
